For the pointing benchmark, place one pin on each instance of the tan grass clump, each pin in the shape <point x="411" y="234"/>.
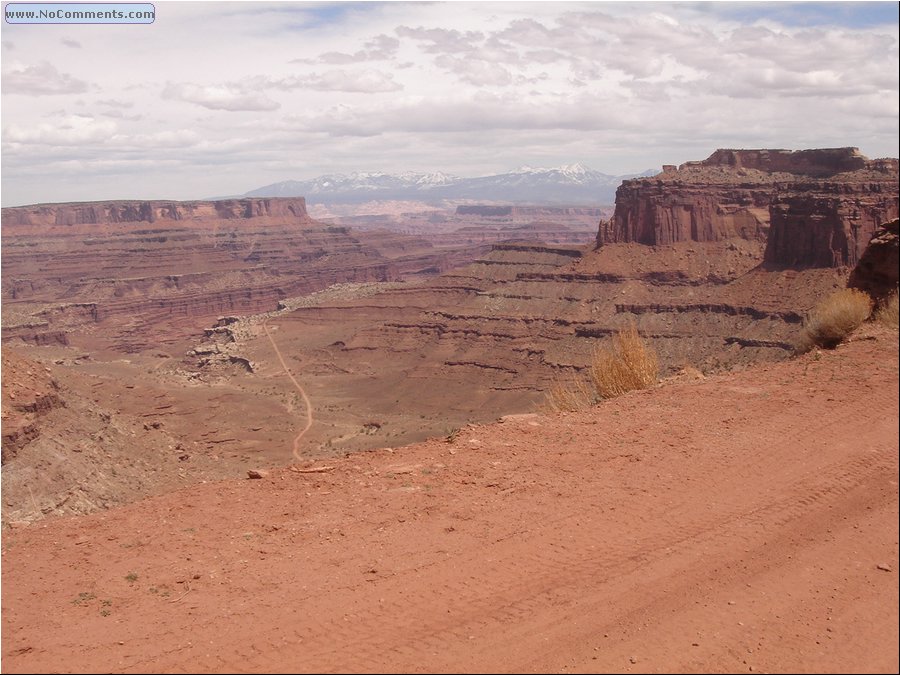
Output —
<point x="833" y="319"/>
<point x="624" y="364"/>
<point x="571" y="396"/>
<point x="887" y="314"/>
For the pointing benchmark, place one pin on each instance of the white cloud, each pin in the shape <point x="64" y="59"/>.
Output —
<point x="73" y="130"/>
<point x="219" y="97"/>
<point x="354" y="81"/>
<point x="379" y="48"/>
<point x="442" y="40"/>
<point x="475" y="72"/>
<point x="40" y="80"/>
<point x="395" y="86"/>
<point x="114" y="103"/>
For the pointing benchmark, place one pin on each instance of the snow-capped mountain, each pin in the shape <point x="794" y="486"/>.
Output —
<point x="573" y="184"/>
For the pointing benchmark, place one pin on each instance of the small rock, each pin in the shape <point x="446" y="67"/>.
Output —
<point x="633" y="659"/>
<point x="519" y="417"/>
<point x="257" y="473"/>
<point x="883" y="567"/>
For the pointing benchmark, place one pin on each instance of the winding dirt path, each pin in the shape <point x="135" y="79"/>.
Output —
<point x="748" y="522"/>
<point x="309" y="410"/>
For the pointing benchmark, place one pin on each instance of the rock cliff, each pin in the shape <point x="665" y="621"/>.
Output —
<point x="814" y="208"/>
<point x="827" y="223"/>
<point x="879" y="266"/>
<point x="103" y="213"/>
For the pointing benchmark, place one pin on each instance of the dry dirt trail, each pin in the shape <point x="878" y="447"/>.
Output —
<point x="745" y="522"/>
<point x="309" y="410"/>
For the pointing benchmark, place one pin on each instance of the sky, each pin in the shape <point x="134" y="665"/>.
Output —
<point x="218" y="98"/>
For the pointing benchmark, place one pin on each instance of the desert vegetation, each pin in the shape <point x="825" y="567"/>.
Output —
<point x="887" y="313"/>
<point x="834" y="319"/>
<point x="621" y="364"/>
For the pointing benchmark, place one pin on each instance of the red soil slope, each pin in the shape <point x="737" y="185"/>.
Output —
<point x="745" y="522"/>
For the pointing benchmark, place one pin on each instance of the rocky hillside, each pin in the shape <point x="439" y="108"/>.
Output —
<point x="813" y="208"/>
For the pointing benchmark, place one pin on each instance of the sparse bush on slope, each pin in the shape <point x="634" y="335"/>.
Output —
<point x="625" y="364"/>
<point x="621" y="365"/>
<point x="833" y="319"/>
<point x="887" y="314"/>
<point x="569" y="397"/>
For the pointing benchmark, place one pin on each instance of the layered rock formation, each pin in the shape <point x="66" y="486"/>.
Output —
<point x="879" y="266"/>
<point x="828" y="223"/>
<point x="103" y="213"/>
<point x="150" y="272"/>
<point x="492" y="338"/>
<point x="814" y="208"/>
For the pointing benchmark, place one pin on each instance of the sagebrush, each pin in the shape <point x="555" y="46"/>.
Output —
<point x="622" y="364"/>
<point x="832" y="320"/>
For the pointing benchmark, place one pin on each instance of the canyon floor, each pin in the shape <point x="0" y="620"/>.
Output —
<point x="746" y="521"/>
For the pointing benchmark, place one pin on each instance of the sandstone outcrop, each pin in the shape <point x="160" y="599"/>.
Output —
<point x="878" y="267"/>
<point x="813" y="208"/>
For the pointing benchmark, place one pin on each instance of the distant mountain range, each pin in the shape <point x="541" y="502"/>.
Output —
<point x="573" y="184"/>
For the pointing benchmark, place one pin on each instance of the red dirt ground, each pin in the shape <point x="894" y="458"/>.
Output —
<point x="745" y="522"/>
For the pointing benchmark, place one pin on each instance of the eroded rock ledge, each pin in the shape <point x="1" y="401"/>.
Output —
<point x="813" y="208"/>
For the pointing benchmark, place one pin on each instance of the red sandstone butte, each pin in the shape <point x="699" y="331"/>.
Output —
<point x="813" y="208"/>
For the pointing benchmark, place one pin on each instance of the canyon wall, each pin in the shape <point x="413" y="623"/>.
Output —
<point x="878" y="270"/>
<point x="146" y="273"/>
<point x="827" y="224"/>
<point x="813" y="208"/>
<point x="112" y="212"/>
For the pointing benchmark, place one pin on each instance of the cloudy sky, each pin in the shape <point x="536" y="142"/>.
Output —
<point x="218" y="98"/>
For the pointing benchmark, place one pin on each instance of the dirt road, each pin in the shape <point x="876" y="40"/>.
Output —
<point x="299" y="388"/>
<point x="746" y="522"/>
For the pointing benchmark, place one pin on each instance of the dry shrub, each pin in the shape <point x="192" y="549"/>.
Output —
<point x="887" y="313"/>
<point x="621" y="365"/>
<point x="624" y="364"/>
<point x="571" y="396"/>
<point x="833" y="319"/>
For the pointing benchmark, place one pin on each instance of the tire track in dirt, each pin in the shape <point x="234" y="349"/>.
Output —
<point x="623" y="544"/>
<point x="297" y="385"/>
<point x="561" y="567"/>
